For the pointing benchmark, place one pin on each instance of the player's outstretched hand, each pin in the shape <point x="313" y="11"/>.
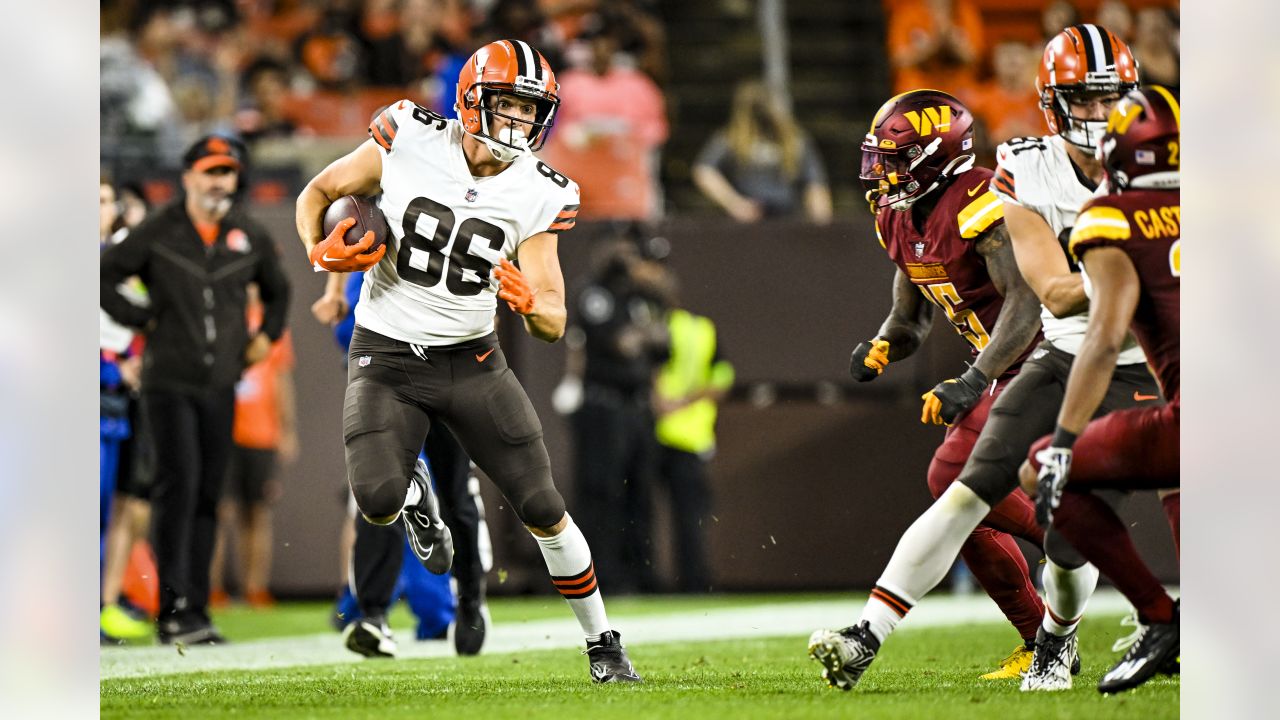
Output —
<point x="334" y="255"/>
<point x="513" y="288"/>
<point x="1055" y="465"/>
<point x="950" y="399"/>
<point x="869" y="360"/>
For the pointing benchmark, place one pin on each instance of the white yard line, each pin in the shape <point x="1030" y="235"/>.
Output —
<point x="766" y="620"/>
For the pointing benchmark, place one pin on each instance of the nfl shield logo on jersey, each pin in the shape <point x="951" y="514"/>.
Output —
<point x="364" y="361"/>
<point x="237" y="241"/>
<point x="919" y="248"/>
<point x="471" y="195"/>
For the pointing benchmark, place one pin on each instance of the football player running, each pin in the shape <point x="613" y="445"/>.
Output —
<point x="943" y="226"/>
<point x="463" y="199"/>
<point x="1130" y="243"/>
<point x="1042" y="183"/>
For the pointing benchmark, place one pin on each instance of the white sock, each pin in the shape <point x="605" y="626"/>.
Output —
<point x="568" y="560"/>
<point x="925" y="553"/>
<point x="414" y="496"/>
<point x="1067" y="594"/>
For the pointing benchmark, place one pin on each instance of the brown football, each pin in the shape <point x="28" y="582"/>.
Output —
<point x="367" y="216"/>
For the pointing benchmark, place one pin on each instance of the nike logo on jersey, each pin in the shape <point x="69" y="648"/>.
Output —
<point x="484" y="356"/>
<point x="400" y="106"/>
<point x="1139" y="397"/>
<point x="976" y="188"/>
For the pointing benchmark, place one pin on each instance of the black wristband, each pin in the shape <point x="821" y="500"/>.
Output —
<point x="1062" y="438"/>
<point x="974" y="378"/>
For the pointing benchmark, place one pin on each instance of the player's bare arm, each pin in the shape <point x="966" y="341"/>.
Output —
<point x="1043" y="263"/>
<point x="1116" y="289"/>
<point x="909" y="319"/>
<point x="359" y="172"/>
<point x="900" y="335"/>
<point x="541" y="299"/>
<point x="332" y="307"/>
<point x="1019" y="318"/>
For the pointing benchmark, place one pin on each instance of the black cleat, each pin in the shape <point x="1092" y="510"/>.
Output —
<point x="187" y="627"/>
<point x="370" y="637"/>
<point x="470" y="625"/>
<point x="609" y="661"/>
<point x="1158" y="650"/>
<point x="428" y="536"/>
<point x="1056" y="659"/>
<point x="844" y="654"/>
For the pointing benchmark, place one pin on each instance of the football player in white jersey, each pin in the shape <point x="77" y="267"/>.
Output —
<point x="1084" y="72"/>
<point x="464" y="199"/>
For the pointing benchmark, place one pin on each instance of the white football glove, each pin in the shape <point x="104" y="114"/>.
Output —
<point x="1055" y="465"/>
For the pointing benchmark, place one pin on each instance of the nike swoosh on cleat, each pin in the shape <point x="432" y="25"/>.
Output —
<point x="484" y="356"/>
<point x="1140" y="397"/>
<point x="976" y="188"/>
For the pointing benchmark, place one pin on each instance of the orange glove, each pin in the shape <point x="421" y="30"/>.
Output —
<point x="950" y="399"/>
<point x="334" y="255"/>
<point x="513" y="288"/>
<point x="869" y="359"/>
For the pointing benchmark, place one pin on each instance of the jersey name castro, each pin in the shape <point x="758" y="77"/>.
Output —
<point x="449" y="229"/>
<point x="1037" y="173"/>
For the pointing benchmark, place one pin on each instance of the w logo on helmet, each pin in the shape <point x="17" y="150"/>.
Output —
<point x="938" y="118"/>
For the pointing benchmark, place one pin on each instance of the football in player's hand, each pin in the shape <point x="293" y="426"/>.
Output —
<point x="367" y="216"/>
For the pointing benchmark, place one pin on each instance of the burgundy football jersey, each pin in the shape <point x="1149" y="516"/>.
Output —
<point x="1147" y="226"/>
<point x="943" y="262"/>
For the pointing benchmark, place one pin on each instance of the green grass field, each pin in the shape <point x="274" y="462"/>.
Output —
<point x="922" y="673"/>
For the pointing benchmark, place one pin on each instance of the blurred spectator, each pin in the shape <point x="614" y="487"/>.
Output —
<point x="608" y="130"/>
<point x="1056" y="17"/>
<point x="332" y="51"/>
<point x="1115" y="16"/>
<point x="125" y="510"/>
<point x="523" y="20"/>
<point x="266" y="116"/>
<point x="138" y="114"/>
<point x="417" y="51"/>
<point x="762" y="164"/>
<point x="935" y="43"/>
<point x="133" y="209"/>
<point x="196" y="256"/>
<point x="617" y="342"/>
<point x="380" y="19"/>
<point x="689" y="387"/>
<point x="1007" y="105"/>
<point x="1156" y="47"/>
<point x="265" y="436"/>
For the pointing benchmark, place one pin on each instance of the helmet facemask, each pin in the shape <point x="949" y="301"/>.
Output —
<point x="520" y="136"/>
<point x="1079" y="131"/>
<point x="887" y="172"/>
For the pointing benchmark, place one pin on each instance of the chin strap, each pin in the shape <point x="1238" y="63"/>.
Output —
<point x="961" y="164"/>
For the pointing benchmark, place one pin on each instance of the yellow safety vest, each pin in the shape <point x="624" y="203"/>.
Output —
<point x="691" y="368"/>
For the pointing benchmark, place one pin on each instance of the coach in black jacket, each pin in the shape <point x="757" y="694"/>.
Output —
<point x="196" y="256"/>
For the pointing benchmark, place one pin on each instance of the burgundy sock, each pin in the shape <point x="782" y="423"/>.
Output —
<point x="1092" y="527"/>
<point x="998" y="565"/>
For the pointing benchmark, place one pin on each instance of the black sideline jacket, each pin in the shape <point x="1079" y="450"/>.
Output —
<point x="195" y="327"/>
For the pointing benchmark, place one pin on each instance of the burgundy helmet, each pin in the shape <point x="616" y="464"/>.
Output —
<point x="918" y="140"/>
<point x="1141" y="145"/>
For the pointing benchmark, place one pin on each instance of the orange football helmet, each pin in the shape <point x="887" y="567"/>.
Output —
<point x="513" y="67"/>
<point x="1082" y="59"/>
